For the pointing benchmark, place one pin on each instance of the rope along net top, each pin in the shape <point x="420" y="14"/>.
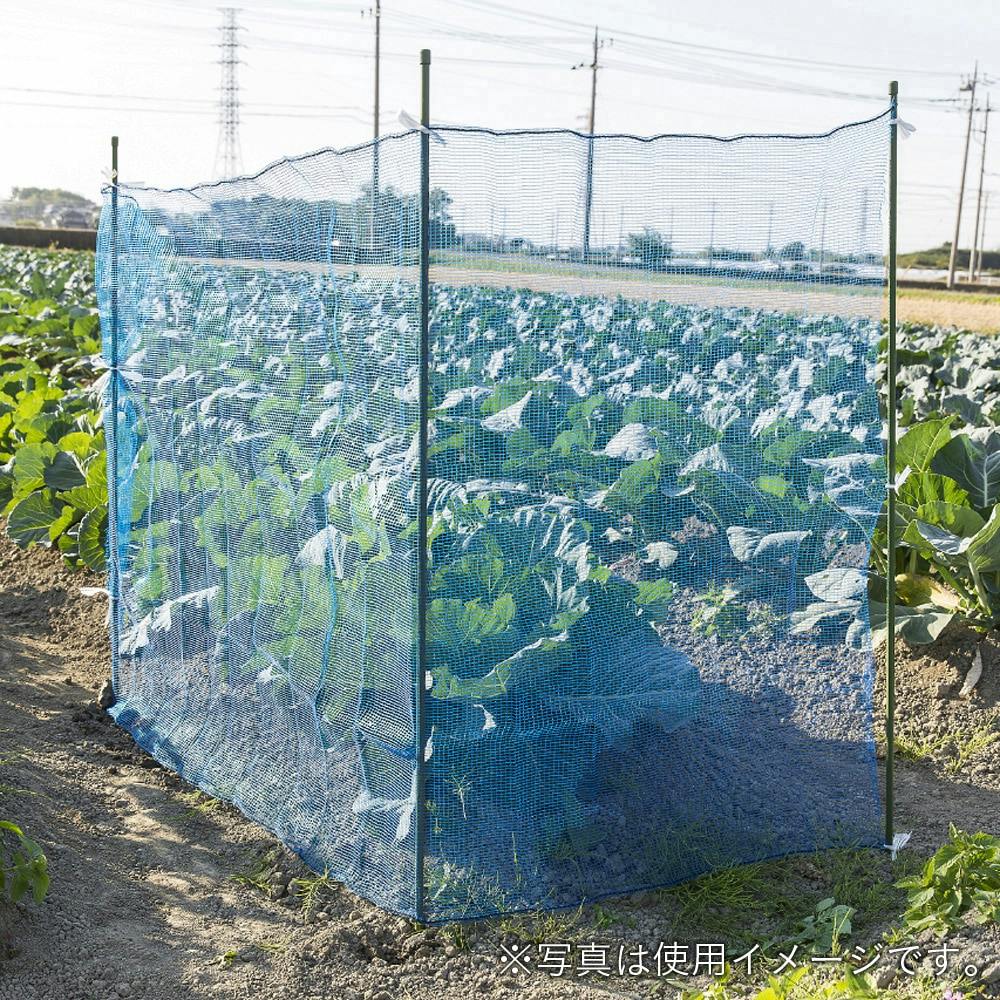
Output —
<point x="652" y="474"/>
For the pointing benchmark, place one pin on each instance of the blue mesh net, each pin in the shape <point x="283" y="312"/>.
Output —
<point x="654" y="466"/>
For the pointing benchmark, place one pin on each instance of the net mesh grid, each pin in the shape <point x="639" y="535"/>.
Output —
<point x="654" y="469"/>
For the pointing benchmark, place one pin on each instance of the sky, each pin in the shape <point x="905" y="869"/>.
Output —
<point x="72" y="72"/>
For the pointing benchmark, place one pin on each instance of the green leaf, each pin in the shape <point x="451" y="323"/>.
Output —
<point x="942" y="528"/>
<point x="61" y="523"/>
<point x="30" y="462"/>
<point x="749" y="545"/>
<point x="87" y="498"/>
<point x="451" y="621"/>
<point x="984" y="549"/>
<point x="974" y="466"/>
<point x="63" y="472"/>
<point x="955" y="517"/>
<point x="838" y="584"/>
<point x="939" y="540"/>
<point x="811" y="616"/>
<point x="928" y="487"/>
<point x="90" y="540"/>
<point x="920" y="625"/>
<point x="776" y="486"/>
<point x="918" y="446"/>
<point x="654" y="597"/>
<point x="637" y="483"/>
<point x="79" y="442"/>
<point x="29" y="519"/>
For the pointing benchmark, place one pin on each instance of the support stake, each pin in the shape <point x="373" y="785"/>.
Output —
<point x="890" y="572"/>
<point x="420" y="697"/>
<point x="112" y="442"/>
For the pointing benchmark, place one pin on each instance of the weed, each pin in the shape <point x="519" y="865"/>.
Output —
<point x="962" y="877"/>
<point x="720" y="900"/>
<point x="461" y="786"/>
<point x="311" y="890"/>
<point x="718" y="613"/>
<point x="919" y="748"/>
<point x="821" y="931"/>
<point x="537" y="928"/>
<point x="199" y="803"/>
<point x="848" y="875"/>
<point x="458" y="935"/>
<point x="255" y="875"/>
<point x="271" y="947"/>
<point x="602" y="919"/>
<point x="23" y="865"/>
<point x="972" y="743"/>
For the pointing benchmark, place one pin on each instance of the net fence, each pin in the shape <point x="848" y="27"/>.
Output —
<point x="653" y="470"/>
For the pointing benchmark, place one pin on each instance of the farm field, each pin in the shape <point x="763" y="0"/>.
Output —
<point x="968" y="311"/>
<point x="234" y="915"/>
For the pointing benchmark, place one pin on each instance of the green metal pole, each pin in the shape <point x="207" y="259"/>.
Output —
<point x="112" y="442"/>
<point x="890" y="572"/>
<point x="420" y="697"/>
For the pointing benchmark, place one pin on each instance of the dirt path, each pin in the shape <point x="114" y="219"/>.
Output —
<point x="144" y="904"/>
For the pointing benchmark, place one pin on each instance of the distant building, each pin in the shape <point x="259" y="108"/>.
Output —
<point x="73" y="218"/>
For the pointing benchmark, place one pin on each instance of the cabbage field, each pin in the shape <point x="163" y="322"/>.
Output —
<point x="598" y="426"/>
<point x="580" y="482"/>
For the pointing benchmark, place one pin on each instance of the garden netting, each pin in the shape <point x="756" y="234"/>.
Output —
<point x="653" y="469"/>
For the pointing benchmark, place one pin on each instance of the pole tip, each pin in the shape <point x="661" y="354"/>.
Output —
<point x="425" y="57"/>
<point x="114" y="140"/>
<point x="893" y="88"/>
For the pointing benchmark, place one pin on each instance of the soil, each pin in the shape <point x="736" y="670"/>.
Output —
<point x="150" y="897"/>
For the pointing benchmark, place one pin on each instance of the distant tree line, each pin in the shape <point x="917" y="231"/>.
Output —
<point x="311" y="229"/>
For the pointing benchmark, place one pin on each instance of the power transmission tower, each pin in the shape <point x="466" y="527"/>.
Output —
<point x="979" y="195"/>
<point x="970" y="86"/>
<point x="228" y="155"/>
<point x="376" y="14"/>
<point x="593" y="66"/>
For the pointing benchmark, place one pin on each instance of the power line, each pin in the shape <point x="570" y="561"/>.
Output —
<point x="533" y="17"/>
<point x="205" y="112"/>
<point x="209" y="102"/>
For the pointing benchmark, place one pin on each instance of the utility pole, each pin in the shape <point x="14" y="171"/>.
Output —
<point x="711" y="240"/>
<point x="979" y="195"/>
<point x="376" y="13"/>
<point x="593" y="66"/>
<point x="863" y="228"/>
<point x="971" y="88"/>
<point x="228" y="156"/>
<point x="822" y="240"/>
<point x="378" y="41"/>
<point x="593" y="85"/>
<point x="982" y="237"/>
